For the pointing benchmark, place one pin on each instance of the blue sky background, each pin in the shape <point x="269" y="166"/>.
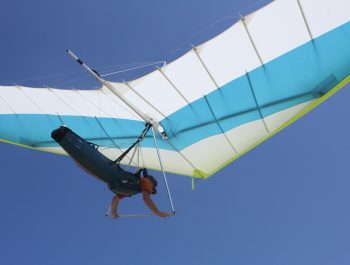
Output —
<point x="285" y="202"/>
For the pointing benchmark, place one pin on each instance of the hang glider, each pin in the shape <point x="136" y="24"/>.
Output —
<point x="215" y="103"/>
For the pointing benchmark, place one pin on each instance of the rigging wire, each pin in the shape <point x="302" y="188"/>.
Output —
<point x="167" y="56"/>
<point x="110" y="68"/>
<point x="143" y="65"/>
<point x="234" y="15"/>
<point x="134" y="68"/>
<point x="71" y="81"/>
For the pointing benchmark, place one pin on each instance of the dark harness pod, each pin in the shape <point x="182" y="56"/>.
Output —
<point x="89" y="158"/>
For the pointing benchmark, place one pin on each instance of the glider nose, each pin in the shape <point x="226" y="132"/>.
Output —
<point x="59" y="133"/>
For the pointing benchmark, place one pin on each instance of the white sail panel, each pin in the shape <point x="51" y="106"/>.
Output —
<point x="123" y="110"/>
<point x="208" y="153"/>
<point x="20" y="103"/>
<point x="172" y="161"/>
<point x="47" y="101"/>
<point x="247" y="134"/>
<point x="277" y="29"/>
<point x="4" y="107"/>
<point x="154" y="87"/>
<point x="189" y="76"/>
<point x="106" y="106"/>
<point x="28" y="100"/>
<point x="323" y="16"/>
<point x="229" y="55"/>
<point x="79" y="105"/>
<point x="137" y="100"/>
<point x="277" y="119"/>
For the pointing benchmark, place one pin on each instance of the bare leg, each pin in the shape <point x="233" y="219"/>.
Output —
<point x="114" y="206"/>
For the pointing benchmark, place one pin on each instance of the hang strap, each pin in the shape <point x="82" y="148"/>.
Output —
<point x="148" y="125"/>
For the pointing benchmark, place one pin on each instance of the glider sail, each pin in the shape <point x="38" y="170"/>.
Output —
<point x="215" y="103"/>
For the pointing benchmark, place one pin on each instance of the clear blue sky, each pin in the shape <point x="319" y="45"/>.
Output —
<point x="285" y="202"/>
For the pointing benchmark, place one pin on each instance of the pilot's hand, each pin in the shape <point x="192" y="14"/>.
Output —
<point x="114" y="215"/>
<point x="164" y="215"/>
